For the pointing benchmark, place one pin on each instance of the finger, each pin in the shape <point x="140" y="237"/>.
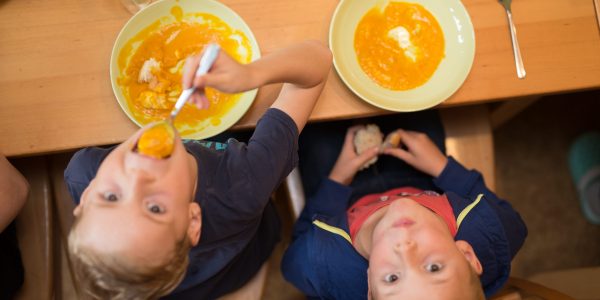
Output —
<point x="408" y="137"/>
<point x="220" y="82"/>
<point x="403" y="133"/>
<point x="413" y="134"/>
<point x="195" y="100"/>
<point x="353" y="129"/>
<point x="350" y="133"/>
<point x="200" y="100"/>
<point x="399" y="153"/>
<point x="189" y="70"/>
<point x="204" y="100"/>
<point x="364" y="157"/>
<point x="200" y="81"/>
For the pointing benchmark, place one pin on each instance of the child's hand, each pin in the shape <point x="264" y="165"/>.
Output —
<point x="421" y="153"/>
<point x="225" y="75"/>
<point x="348" y="161"/>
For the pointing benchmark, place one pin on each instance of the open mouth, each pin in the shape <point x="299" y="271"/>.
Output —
<point x="156" y="142"/>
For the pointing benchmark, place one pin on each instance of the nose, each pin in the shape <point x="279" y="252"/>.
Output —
<point x="139" y="175"/>
<point x="405" y="246"/>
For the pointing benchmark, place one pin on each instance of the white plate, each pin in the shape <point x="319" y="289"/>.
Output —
<point x="451" y="73"/>
<point x="162" y="11"/>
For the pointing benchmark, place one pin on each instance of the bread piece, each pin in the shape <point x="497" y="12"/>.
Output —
<point x="392" y="140"/>
<point x="367" y="138"/>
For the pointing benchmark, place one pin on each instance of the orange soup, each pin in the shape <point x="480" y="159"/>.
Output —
<point x="151" y="65"/>
<point x="399" y="47"/>
<point x="157" y="141"/>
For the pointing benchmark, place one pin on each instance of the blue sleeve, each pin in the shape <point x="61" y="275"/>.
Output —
<point x="253" y="171"/>
<point x="466" y="183"/>
<point x="469" y="184"/>
<point x="298" y="266"/>
<point x="82" y="169"/>
<point x="331" y="199"/>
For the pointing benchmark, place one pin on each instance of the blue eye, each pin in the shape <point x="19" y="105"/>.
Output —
<point x="110" y="196"/>
<point x="155" y="208"/>
<point x="390" y="278"/>
<point x="434" y="267"/>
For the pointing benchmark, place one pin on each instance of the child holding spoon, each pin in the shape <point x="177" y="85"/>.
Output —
<point x="197" y="224"/>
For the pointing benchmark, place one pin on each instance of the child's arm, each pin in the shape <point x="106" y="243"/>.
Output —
<point x="14" y="190"/>
<point x="303" y="68"/>
<point x="256" y="169"/>
<point x="450" y="176"/>
<point x="330" y="199"/>
<point x="333" y="194"/>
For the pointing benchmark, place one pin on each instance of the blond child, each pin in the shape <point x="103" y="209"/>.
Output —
<point x="199" y="224"/>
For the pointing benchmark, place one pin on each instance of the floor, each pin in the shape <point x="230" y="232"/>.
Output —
<point x="532" y="173"/>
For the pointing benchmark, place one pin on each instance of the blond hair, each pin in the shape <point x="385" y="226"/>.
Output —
<point x="110" y="277"/>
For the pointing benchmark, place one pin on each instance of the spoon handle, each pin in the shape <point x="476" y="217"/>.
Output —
<point x="206" y="62"/>
<point x="185" y="95"/>
<point x="516" y="49"/>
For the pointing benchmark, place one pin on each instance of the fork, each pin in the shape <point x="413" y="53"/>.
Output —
<point x="515" y="43"/>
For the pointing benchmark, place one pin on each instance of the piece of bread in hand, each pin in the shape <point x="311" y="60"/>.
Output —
<point x="366" y="138"/>
<point x="392" y="140"/>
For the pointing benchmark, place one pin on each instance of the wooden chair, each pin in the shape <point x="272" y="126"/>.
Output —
<point x="469" y="139"/>
<point x="522" y="289"/>
<point x="35" y="232"/>
<point x="579" y="283"/>
<point x="64" y="283"/>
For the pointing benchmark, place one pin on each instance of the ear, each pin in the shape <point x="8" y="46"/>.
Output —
<point x="194" y="229"/>
<point x="82" y="200"/>
<point x="466" y="249"/>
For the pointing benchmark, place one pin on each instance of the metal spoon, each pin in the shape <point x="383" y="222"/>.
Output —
<point x="513" y="36"/>
<point x="206" y="62"/>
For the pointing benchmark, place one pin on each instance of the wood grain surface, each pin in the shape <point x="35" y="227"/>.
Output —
<point x="55" y="91"/>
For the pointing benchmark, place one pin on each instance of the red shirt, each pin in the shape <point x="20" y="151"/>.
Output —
<point x="367" y="205"/>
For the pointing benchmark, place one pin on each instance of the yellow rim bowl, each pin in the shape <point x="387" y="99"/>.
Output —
<point x="451" y="73"/>
<point x="161" y="11"/>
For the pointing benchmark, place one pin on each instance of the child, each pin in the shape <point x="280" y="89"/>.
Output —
<point x="199" y="224"/>
<point x="401" y="239"/>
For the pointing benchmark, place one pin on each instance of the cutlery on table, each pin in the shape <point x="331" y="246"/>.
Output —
<point x="515" y="43"/>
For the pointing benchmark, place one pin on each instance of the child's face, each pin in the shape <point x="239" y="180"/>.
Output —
<point x="414" y="256"/>
<point x="138" y="207"/>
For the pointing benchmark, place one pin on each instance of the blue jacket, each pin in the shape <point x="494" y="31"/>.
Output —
<point x="325" y="265"/>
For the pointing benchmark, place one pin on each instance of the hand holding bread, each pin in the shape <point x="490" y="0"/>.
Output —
<point x="421" y="152"/>
<point x="349" y="161"/>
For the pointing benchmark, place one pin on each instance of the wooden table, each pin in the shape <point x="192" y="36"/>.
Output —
<point x="55" y="90"/>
